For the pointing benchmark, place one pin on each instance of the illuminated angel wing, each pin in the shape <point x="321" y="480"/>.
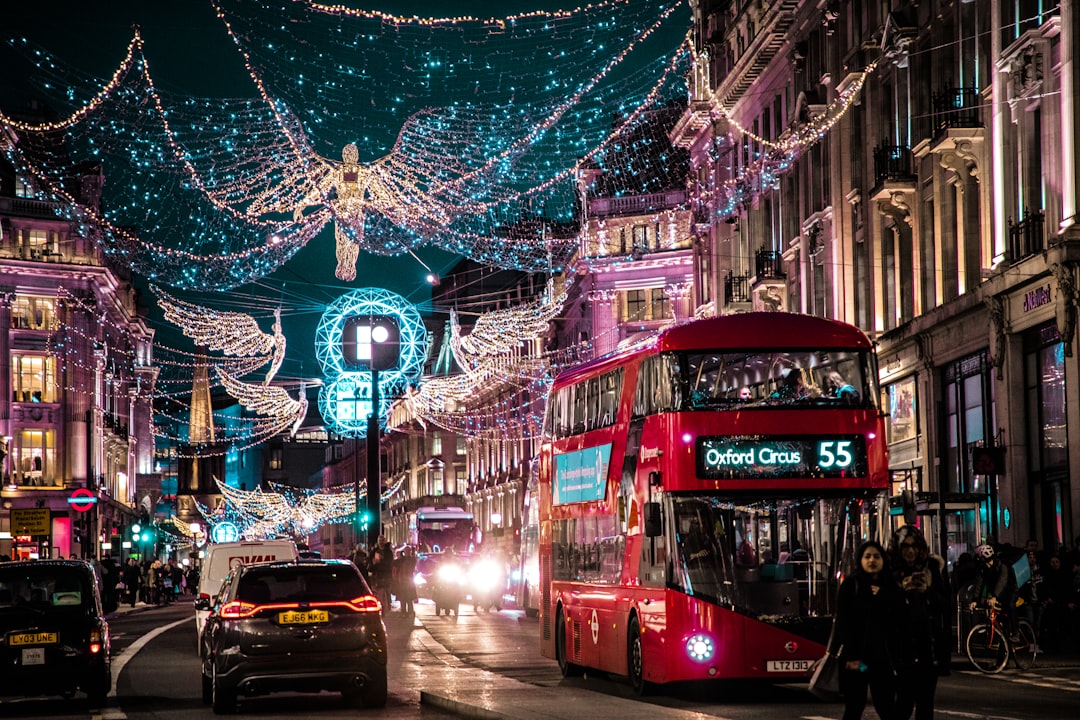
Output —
<point x="233" y="333"/>
<point x="271" y="401"/>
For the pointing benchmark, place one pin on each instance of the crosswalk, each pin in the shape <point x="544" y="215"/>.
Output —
<point x="1034" y="678"/>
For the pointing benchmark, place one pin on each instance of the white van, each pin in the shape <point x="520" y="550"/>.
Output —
<point x="223" y="557"/>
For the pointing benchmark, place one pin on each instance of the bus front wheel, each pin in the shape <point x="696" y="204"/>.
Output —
<point x="635" y="659"/>
<point x="567" y="668"/>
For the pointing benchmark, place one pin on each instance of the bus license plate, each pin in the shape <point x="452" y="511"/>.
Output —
<point x="37" y="638"/>
<point x="33" y="656"/>
<point x="788" y="665"/>
<point x="308" y="617"/>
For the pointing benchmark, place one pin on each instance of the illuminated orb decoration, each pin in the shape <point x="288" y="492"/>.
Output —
<point x="225" y="532"/>
<point x="345" y="397"/>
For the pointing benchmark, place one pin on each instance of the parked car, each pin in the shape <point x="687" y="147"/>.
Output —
<point x="55" y="637"/>
<point x="302" y="626"/>
<point x="221" y="558"/>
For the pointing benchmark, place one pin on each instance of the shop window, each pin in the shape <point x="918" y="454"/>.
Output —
<point x="34" y="458"/>
<point x="969" y="415"/>
<point x="33" y="378"/>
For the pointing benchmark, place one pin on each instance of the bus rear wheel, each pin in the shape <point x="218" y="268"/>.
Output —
<point x="635" y="659"/>
<point x="567" y="668"/>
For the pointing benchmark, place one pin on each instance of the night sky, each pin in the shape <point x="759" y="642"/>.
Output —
<point x="191" y="54"/>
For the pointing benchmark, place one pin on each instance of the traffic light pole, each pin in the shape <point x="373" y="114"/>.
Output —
<point x="374" y="489"/>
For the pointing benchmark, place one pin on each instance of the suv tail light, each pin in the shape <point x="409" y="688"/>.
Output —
<point x="238" y="609"/>
<point x="365" y="603"/>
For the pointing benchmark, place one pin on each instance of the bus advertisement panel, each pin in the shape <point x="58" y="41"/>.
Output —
<point x="700" y="495"/>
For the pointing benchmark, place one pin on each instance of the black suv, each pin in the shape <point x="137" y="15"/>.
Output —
<point x="55" y="638"/>
<point x="305" y="626"/>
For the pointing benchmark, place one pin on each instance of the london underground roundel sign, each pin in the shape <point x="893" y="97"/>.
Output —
<point x="82" y="500"/>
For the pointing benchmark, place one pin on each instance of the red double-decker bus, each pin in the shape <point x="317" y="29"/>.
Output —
<point x="699" y="494"/>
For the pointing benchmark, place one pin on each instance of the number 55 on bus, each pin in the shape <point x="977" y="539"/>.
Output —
<point x="699" y="494"/>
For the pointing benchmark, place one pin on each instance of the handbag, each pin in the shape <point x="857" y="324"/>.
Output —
<point x="825" y="682"/>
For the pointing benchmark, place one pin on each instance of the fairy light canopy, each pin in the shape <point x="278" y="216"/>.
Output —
<point x="396" y="132"/>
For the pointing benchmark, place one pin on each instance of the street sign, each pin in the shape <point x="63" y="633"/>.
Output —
<point x="31" y="521"/>
<point x="82" y="500"/>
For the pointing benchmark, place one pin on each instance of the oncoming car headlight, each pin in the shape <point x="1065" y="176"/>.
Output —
<point x="700" y="647"/>
<point x="449" y="573"/>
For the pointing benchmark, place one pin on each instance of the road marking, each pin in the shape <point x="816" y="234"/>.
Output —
<point x="1042" y="681"/>
<point x="123" y="658"/>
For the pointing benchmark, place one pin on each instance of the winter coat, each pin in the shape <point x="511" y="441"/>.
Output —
<point x="926" y="629"/>
<point x="868" y="624"/>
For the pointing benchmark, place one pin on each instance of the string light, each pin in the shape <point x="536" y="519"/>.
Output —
<point x="480" y="127"/>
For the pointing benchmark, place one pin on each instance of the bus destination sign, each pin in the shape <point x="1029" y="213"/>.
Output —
<point x="739" y="456"/>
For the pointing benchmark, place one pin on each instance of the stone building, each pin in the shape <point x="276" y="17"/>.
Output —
<point x="75" y="420"/>
<point x="910" y="167"/>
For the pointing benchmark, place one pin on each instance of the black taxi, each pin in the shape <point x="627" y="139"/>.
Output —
<point x="54" y="639"/>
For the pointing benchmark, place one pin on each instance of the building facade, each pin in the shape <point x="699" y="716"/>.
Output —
<point x="76" y="415"/>
<point x="910" y="167"/>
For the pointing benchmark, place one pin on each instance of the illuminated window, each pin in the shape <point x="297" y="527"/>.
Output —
<point x="277" y="458"/>
<point x="29" y="312"/>
<point x="34" y="457"/>
<point x="33" y="378"/>
<point x="22" y="189"/>
<point x="635" y="305"/>
<point x="436" y="444"/>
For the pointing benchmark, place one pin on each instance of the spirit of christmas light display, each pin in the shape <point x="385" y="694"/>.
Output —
<point x="453" y="131"/>
<point x="286" y="510"/>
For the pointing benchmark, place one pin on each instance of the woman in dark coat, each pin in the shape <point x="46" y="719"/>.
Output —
<point x="867" y="625"/>
<point x="924" y="652"/>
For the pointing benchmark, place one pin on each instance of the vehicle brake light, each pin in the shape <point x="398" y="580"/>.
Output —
<point x="95" y="642"/>
<point x="365" y="603"/>
<point x="238" y="609"/>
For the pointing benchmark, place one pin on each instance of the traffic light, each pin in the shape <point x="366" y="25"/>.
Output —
<point x="371" y="342"/>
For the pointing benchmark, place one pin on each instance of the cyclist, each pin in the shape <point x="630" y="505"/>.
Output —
<point x="995" y="584"/>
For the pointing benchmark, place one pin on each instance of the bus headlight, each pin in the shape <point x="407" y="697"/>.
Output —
<point x="700" y="647"/>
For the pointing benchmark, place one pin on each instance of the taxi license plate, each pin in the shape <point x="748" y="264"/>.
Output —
<point x="304" y="617"/>
<point x="38" y="638"/>
<point x="788" y="665"/>
<point x="33" y="656"/>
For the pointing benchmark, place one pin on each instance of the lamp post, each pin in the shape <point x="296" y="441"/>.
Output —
<point x="372" y="342"/>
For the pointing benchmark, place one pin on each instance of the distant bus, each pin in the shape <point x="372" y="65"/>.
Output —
<point x="440" y="528"/>
<point x="701" y="492"/>
<point x="526" y="577"/>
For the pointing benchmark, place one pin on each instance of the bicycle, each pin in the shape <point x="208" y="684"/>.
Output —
<point x="988" y="646"/>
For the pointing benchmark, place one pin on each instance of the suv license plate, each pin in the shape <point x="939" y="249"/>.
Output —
<point x="788" y="665"/>
<point x="33" y="656"/>
<point x="307" y="617"/>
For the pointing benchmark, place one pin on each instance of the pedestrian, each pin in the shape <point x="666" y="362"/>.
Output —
<point x="1032" y="591"/>
<point x="132" y="581"/>
<point x="868" y="611"/>
<point x="924" y="651"/>
<point x="406" y="585"/>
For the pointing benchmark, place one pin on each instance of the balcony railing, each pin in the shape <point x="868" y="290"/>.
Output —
<point x="1027" y="236"/>
<point x="892" y="162"/>
<point x="736" y="288"/>
<point x="768" y="264"/>
<point x="955" y="108"/>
